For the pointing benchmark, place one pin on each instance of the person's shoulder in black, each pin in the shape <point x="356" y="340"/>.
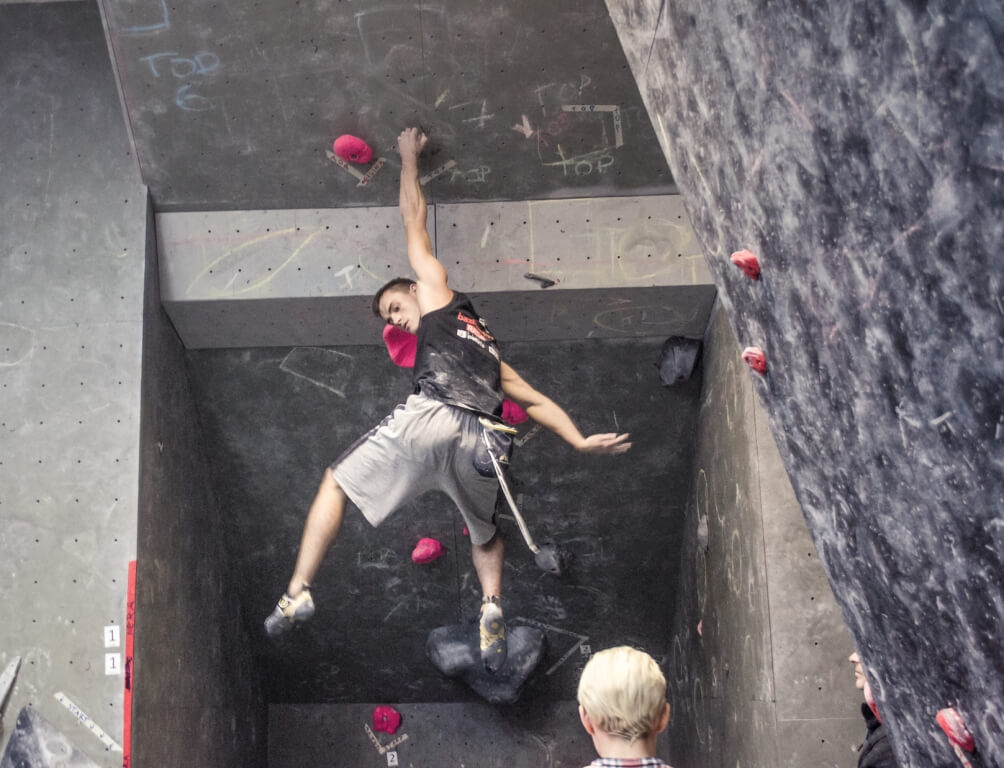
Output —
<point x="876" y="751"/>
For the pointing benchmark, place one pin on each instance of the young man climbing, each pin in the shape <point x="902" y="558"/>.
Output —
<point x="437" y="439"/>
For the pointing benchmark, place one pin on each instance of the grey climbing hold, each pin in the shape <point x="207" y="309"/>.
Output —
<point x="455" y="652"/>
<point x="678" y="359"/>
<point x="35" y="742"/>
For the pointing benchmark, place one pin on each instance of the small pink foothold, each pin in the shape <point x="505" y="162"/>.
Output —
<point x="386" y="719"/>
<point x="466" y="532"/>
<point x="427" y="550"/>
<point x="748" y="263"/>
<point x="353" y="149"/>
<point x="755" y="359"/>
<point x="512" y="413"/>
<point x="700" y="626"/>
<point x="955" y="728"/>
<point x="402" y="346"/>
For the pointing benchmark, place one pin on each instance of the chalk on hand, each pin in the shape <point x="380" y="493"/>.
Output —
<point x="353" y="149"/>
<point x="427" y="550"/>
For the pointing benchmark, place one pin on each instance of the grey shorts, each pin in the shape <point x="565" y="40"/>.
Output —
<point x="423" y="445"/>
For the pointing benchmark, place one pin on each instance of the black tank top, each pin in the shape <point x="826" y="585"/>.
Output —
<point x="457" y="360"/>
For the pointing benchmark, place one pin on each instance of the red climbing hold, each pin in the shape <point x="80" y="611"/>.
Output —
<point x="427" y="550"/>
<point x="952" y="724"/>
<point x="353" y="149"/>
<point x="401" y="346"/>
<point x="748" y="263"/>
<point x="755" y="359"/>
<point x="512" y="413"/>
<point x="386" y="719"/>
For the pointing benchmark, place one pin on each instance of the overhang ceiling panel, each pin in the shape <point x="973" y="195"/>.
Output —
<point x="235" y="105"/>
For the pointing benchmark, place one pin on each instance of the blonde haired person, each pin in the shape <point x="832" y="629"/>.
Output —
<point x="622" y="705"/>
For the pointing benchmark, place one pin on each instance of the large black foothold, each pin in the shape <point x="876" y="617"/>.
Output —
<point x="454" y="651"/>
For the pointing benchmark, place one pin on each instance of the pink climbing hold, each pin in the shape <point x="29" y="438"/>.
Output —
<point x="512" y="413"/>
<point x="466" y="532"/>
<point x="401" y="346"/>
<point x="748" y="263"/>
<point x="755" y="359"/>
<point x="955" y="728"/>
<point x="386" y="719"/>
<point x="427" y="550"/>
<point x="353" y="149"/>
<point x="700" y="628"/>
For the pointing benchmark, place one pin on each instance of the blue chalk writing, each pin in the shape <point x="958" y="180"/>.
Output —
<point x="199" y="64"/>
<point x="192" y="102"/>
<point x="152" y="58"/>
<point x="148" y="29"/>
<point x="202" y="63"/>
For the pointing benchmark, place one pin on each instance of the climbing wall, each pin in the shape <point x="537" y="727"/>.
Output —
<point x="527" y="736"/>
<point x="71" y="293"/>
<point x="197" y="699"/>
<point x="758" y="674"/>
<point x="856" y="149"/>
<point x="235" y="106"/>
<point x="274" y="418"/>
<point x="546" y="269"/>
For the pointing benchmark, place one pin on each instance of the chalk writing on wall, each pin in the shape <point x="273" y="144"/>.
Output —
<point x="162" y="21"/>
<point x="182" y="68"/>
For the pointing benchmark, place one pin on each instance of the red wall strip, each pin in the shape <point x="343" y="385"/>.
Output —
<point x="127" y="698"/>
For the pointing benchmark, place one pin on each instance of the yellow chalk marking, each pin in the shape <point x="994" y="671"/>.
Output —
<point x="269" y="278"/>
<point x="253" y="241"/>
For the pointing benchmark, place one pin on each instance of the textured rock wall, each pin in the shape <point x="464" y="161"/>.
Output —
<point x="858" y="149"/>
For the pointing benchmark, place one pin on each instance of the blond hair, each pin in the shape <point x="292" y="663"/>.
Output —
<point x="624" y="692"/>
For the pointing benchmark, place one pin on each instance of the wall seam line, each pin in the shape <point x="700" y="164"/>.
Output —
<point x="763" y="546"/>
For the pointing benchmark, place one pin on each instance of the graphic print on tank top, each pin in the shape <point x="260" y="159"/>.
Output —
<point x="458" y="358"/>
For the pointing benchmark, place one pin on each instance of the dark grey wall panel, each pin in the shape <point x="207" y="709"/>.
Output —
<point x="527" y="735"/>
<point x="274" y="418"/>
<point x="722" y="676"/>
<point x="198" y="698"/>
<point x="758" y="674"/>
<point x="539" y="315"/>
<point x="857" y="148"/>
<point x="233" y="105"/>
